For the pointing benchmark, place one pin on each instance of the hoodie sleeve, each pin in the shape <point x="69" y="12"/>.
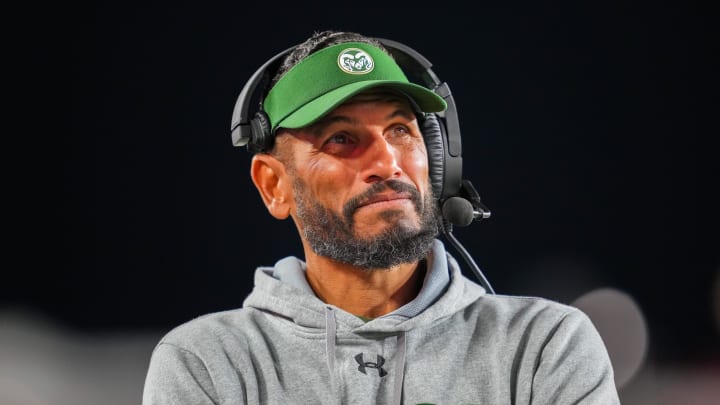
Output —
<point x="574" y="366"/>
<point x="176" y="376"/>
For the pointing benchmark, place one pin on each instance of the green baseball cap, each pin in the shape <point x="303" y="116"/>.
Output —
<point x="327" y="78"/>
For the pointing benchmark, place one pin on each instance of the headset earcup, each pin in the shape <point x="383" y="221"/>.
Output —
<point x="261" y="138"/>
<point x="433" y="133"/>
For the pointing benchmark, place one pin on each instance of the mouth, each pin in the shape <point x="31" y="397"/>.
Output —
<point x="391" y="195"/>
<point x="386" y="198"/>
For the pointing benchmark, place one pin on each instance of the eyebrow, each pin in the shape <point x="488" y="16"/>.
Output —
<point x="317" y="128"/>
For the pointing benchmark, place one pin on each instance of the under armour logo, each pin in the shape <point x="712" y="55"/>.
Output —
<point x="369" y="364"/>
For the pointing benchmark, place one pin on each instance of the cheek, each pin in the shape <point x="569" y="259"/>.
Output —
<point x="329" y="181"/>
<point x="417" y="167"/>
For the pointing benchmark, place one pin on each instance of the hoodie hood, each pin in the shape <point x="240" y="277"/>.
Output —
<point x="284" y="291"/>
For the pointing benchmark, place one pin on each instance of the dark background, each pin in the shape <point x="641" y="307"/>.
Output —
<point x="585" y="128"/>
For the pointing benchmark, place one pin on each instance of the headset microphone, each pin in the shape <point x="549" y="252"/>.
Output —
<point x="458" y="211"/>
<point x="463" y="210"/>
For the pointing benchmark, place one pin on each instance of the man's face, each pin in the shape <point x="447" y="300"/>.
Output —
<point x="361" y="188"/>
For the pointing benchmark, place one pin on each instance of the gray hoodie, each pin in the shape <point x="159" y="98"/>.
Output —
<point x="453" y="344"/>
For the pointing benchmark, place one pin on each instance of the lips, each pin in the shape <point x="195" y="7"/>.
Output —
<point x="377" y="198"/>
<point x="388" y="190"/>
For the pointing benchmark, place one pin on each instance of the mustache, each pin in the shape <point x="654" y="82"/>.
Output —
<point x="376" y="188"/>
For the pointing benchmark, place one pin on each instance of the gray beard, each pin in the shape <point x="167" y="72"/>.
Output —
<point x="333" y="236"/>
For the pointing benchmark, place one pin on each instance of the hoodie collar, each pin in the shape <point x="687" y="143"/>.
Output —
<point x="284" y="290"/>
<point x="291" y="271"/>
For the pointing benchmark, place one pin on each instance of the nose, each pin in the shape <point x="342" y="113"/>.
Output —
<point x="382" y="161"/>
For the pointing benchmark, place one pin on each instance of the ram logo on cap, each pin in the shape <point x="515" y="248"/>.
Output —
<point x="355" y="61"/>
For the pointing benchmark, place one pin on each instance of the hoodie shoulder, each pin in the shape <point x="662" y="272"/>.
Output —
<point x="192" y="359"/>
<point x="209" y="329"/>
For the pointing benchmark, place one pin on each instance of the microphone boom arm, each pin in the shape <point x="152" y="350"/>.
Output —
<point x="468" y="192"/>
<point x="480" y="211"/>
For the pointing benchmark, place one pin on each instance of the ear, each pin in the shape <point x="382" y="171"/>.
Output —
<point x="269" y="176"/>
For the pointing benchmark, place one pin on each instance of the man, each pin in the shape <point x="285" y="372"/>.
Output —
<point x="377" y="312"/>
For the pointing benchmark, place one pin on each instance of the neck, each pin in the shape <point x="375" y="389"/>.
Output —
<point x="367" y="293"/>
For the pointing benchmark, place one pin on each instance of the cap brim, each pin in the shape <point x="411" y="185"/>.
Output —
<point x="425" y="99"/>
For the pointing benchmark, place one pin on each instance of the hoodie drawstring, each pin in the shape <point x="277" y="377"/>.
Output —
<point x="399" y="368"/>
<point x="331" y="331"/>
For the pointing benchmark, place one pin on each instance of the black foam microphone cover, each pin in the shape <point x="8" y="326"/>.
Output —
<point x="458" y="211"/>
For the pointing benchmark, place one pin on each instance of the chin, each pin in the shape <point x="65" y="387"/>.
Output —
<point x="389" y="220"/>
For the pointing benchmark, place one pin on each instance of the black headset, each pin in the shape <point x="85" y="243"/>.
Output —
<point x="440" y="130"/>
<point x="458" y="198"/>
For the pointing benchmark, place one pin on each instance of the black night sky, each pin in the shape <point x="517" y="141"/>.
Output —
<point x="585" y="128"/>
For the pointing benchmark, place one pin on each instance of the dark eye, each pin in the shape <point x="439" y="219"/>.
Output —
<point x="339" y="143"/>
<point x="341" y="139"/>
<point x="401" y="132"/>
